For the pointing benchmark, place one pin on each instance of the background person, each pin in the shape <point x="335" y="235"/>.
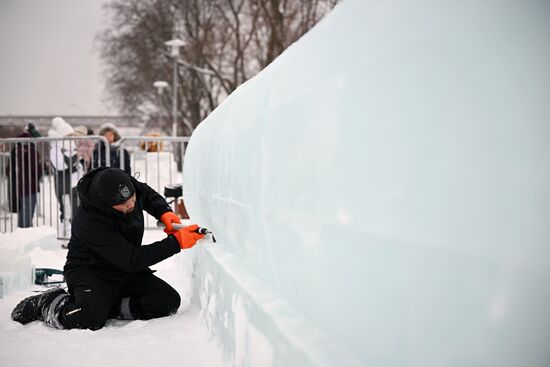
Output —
<point x="85" y="147"/>
<point x="116" y="159"/>
<point x="66" y="170"/>
<point x="25" y="171"/>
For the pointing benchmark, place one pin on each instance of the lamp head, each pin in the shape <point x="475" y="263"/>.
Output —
<point x="160" y="85"/>
<point x="174" y="46"/>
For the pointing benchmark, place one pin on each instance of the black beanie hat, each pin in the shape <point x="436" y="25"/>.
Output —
<point x="113" y="186"/>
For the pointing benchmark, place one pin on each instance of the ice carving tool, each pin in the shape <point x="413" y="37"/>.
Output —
<point x="200" y="230"/>
<point x="42" y="276"/>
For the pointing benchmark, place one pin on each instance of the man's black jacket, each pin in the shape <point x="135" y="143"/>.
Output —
<point x="106" y="242"/>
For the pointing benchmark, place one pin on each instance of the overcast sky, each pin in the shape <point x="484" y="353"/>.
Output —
<point x="48" y="62"/>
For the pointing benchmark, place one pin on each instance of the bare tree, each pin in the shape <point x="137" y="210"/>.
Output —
<point x="226" y="43"/>
<point x="130" y="49"/>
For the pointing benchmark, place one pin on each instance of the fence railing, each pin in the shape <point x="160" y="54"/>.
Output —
<point x="38" y="176"/>
<point x="157" y="161"/>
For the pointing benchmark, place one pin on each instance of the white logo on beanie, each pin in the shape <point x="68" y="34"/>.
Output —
<point x="124" y="191"/>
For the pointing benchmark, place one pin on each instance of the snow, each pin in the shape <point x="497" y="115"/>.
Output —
<point x="178" y="340"/>
<point x="26" y="239"/>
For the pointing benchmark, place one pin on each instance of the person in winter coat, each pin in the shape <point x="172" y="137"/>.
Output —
<point x="67" y="171"/>
<point x="107" y="268"/>
<point x="85" y="147"/>
<point x="13" y="196"/>
<point x="25" y="172"/>
<point x="119" y="158"/>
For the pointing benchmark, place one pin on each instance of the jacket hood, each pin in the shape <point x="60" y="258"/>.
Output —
<point x="109" y="127"/>
<point x="31" y="129"/>
<point x="61" y="126"/>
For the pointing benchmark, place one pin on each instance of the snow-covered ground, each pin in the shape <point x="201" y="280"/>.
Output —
<point x="179" y="340"/>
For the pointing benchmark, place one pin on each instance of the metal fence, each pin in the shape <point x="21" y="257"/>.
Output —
<point x="157" y="161"/>
<point x="38" y="176"/>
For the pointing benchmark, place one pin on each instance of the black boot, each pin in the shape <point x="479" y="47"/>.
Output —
<point x="43" y="306"/>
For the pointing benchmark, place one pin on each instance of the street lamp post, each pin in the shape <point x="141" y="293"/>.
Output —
<point x="160" y="85"/>
<point x="175" y="45"/>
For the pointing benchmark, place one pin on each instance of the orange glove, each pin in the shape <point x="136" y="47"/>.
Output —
<point x="187" y="237"/>
<point x="168" y="218"/>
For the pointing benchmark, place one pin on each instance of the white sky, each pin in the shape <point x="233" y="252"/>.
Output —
<point x="48" y="61"/>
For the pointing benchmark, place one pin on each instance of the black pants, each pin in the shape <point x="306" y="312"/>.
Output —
<point x="94" y="300"/>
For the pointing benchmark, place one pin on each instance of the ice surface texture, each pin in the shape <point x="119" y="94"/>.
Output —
<point x="16" y="269"/>
<point x="388" y="175"/>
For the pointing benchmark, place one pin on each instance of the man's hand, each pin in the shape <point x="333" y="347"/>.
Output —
<point x="187" y="237"/>
<point x="168" y="218"/>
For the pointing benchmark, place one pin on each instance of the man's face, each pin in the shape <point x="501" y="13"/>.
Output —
<point x="127" y="206"/>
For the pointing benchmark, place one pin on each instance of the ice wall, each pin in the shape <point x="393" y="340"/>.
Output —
<point x="388" y="177"/>
<point x="16" y="268"/>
